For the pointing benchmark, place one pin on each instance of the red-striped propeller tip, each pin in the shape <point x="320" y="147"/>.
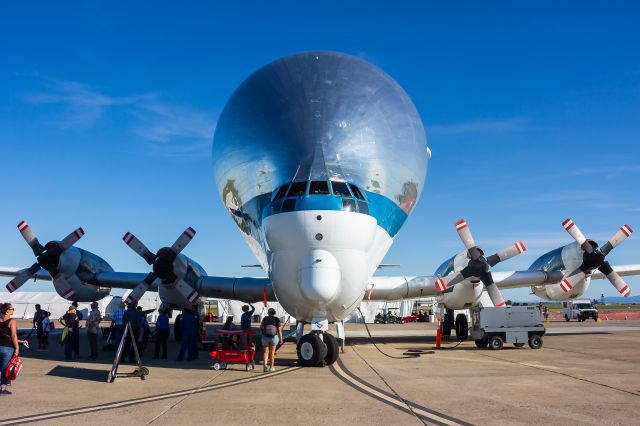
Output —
<point x="127" y="237"/>
<point x="627" y="230"/>
<point x="567" y="224"/>
<point x="520" y="247"/>
<point x="22" y="226"/>
<point x="461" y="224"/>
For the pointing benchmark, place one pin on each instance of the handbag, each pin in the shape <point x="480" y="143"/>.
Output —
<point x="14" y="367"/>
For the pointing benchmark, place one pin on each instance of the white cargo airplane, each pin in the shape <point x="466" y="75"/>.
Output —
<point x="320" y="157"/>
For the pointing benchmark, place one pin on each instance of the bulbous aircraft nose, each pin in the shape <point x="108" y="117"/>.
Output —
<point x="319" y="276"/>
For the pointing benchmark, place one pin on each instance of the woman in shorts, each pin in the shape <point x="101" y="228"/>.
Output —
<point x="271" y="339"/>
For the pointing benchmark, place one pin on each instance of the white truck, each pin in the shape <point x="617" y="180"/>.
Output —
<point x="579" y="309"/>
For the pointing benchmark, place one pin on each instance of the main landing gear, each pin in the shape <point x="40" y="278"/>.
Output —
<point x="318" y="348"/>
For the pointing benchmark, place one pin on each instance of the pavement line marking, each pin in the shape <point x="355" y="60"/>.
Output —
<point x="378" y="394"/>
<point x="121" y="404"/>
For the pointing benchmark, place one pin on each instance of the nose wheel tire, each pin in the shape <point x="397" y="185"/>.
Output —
<point x="332" y="348"/>
<point x="311" y="350"/>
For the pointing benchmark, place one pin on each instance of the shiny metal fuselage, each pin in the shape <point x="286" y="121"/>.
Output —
<point x="319" y="116"/>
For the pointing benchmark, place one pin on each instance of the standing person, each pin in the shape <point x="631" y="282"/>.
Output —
<point x="76" y="331"/>
<point x="245" y="319"/>
<point x="162" y="334"/>
<point x="546" y="313"/>
<point x="271" y="338"/>
<point x="134" y="317"/>
<point x="245" y="323"/>
<point x="38" y="316"/>
<point x="189" y="344"/>
<point x="93" y="324"/>
<point x="117" y="324"/>
<point x="69" y="320"/>
<point x="46" y="328"/>
<point x="144" y="331"/>
<point x="9" y="344"/>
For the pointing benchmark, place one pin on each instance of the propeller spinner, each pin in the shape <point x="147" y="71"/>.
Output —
<point x="162" y="263"/>
<point x="479" y="266"/>
<point x="47" y="257"/>
<point x="594" y="258"/>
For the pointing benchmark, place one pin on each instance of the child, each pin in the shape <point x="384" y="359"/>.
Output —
<point x="46" y="328"/>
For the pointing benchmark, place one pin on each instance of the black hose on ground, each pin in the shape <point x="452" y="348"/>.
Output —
<point x="409" y="354"/>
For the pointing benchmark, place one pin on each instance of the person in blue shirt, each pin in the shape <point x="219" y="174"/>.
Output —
<point x="162" y="334"/>
<point x="245" y="319"/>
<point x="189" y="342"/>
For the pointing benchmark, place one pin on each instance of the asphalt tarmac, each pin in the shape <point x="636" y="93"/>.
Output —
<point x="585" y="373"/>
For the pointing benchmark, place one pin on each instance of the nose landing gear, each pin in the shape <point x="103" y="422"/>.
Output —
<point x="317" y="349"/>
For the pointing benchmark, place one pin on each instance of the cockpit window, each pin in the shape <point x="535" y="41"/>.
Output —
<point x="297" y="189"/>
<point x="363" y="207"/>
<point x="356" y="192"/>
<point x="348" y="205"/>
<point x="281" y="192"/>
<point x="340" y="189"/>
<point x="319" y="187"/>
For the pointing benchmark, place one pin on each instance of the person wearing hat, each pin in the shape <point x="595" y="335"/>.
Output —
<point x="271" y="329"/>
<point x="93" y="324"/>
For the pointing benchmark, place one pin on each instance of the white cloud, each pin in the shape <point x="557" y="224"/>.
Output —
<point x="174" y="130"/>
<point x="478" y="126"/>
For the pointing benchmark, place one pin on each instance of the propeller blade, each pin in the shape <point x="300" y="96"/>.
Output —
<point x="506" y="253"/>
<point x="71" y="239"/>
<point x="137" y="246"/>
<point x="22" y="278"/>
<point x="137" y="293"/>
<point x="577" y="235"/>
<point x="30" y="238"/>
<point x="492" y="290"/>
<point x="465" y="234"/>
<point x="621" y="235"/>
<point x="187" y="291"/>
<point x="66" y="289"/>
<point x="450" y="280"/>
<point x="615" y="279"/>
<point x="184" y="239"/>
<point x="571" y="280"/>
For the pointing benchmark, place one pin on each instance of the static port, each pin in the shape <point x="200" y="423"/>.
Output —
<point x="318" y="236"/>
<point x="319" y="217"/>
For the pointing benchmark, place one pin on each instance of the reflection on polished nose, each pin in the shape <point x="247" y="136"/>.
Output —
<point x="319" y="276"/>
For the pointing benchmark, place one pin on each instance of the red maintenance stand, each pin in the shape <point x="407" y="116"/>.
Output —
<point x="225" y="353"/>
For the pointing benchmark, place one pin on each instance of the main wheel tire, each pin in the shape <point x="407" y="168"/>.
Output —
<point x="566" y="317"/>
<point x="495" y="343"/>
<point x="535" y="342"/>
<point x="462" y="327"/>
<point x="518" y="345"/>
<point x="333" y="349"/>
<point x="482" y="343"/>
<point x="311" y="350"/>
<point x="447" y="324"/>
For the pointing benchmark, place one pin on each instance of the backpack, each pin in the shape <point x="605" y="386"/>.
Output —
<point x="269" y="326"/>
<point x="13" y="369"/>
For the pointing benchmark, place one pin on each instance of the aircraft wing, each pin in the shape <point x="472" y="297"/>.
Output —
<point x="246" y="289"/>
<point x="403" y="287"/>
<point x="622" y="270"/>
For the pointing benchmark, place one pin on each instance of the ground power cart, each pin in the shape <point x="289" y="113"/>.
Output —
<point x="494" y="327"/>
<point x="234" y="347"/>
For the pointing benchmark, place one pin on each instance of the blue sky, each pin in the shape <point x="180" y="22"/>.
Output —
<point x="107" y="111"/>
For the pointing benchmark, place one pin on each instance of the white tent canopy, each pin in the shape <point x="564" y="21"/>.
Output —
<point x="25" y="301"/>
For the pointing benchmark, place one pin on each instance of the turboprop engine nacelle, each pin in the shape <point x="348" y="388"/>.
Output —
<point x="563" y="259"/>
<point x="77" y="268"/>
<point x="190" y="272"/>
<point x="461" y="296"/>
